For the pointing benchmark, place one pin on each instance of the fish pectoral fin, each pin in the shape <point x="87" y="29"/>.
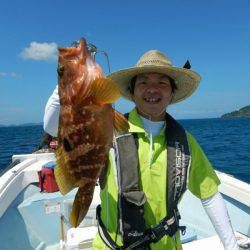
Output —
<point x="120" y="124"/>
<point x="105" y="91"/>
<point x="81" y="205"/>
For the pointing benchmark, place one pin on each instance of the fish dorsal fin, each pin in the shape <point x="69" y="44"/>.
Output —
<point x="121" y="124"/>
<point x="104" y="91"/>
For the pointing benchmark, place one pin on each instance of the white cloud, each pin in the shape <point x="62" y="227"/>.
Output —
<point x="15" y="75"/>
<point x="12" y="74"/>
<point x="40" y="51"/>
<point x="2" y="74"/>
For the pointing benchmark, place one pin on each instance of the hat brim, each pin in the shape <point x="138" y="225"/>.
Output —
<point x="186" y="80"/>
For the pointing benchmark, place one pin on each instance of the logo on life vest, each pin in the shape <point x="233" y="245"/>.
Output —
<point x="179" y="169"/>
<point x="135" y="234"/>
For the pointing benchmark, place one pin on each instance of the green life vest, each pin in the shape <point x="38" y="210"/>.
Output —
<point x="131" y="199"/>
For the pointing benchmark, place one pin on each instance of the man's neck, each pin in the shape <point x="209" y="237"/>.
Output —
<point x="154" y="118"/>
<point x="152" y="127"/>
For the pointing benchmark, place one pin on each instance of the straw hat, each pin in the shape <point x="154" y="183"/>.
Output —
<point x="186" y="80"/>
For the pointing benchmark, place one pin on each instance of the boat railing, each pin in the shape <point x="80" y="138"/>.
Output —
<point x="234" y="188"/>
<point x="10" y="166"/>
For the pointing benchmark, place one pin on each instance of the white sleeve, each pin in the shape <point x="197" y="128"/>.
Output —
<point x="51" y="114"/>
<point x="216" y="210"/>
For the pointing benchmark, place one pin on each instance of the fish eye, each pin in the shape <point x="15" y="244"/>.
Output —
<point x="60" y="70"/>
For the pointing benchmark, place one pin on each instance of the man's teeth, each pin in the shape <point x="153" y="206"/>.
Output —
<point x="152" y="99"/>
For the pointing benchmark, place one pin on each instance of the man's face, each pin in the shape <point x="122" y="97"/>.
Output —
<point x="152" y="94"/>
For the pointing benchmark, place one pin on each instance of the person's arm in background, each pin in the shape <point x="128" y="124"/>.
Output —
<point x="51" y="114"/>
<point x="203" y="183"/>
<point x="216" y="210"/>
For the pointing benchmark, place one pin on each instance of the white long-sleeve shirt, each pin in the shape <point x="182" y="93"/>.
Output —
<point x="51" y="114"/>
<point x="214" y="206"/>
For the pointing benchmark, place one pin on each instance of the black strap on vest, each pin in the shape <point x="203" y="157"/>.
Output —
<point x="132" y="224"/>
<point x="130" y="198"/>
<point x="178" y="161"/>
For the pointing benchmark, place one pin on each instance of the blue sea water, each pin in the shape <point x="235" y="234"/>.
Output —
<point x="226" y="143"/>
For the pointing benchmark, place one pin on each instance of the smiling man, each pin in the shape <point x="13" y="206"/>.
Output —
<point x="152" y="93"/>
<point x="151" y="166"/>
<point x="157" y="161"/>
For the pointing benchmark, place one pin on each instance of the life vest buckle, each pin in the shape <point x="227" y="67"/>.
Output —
<point x="167" y="226"/>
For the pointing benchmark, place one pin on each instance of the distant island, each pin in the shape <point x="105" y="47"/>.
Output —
<point x="243" y="112"/>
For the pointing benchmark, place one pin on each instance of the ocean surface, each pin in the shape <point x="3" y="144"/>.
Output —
<point x="226" y="142"/>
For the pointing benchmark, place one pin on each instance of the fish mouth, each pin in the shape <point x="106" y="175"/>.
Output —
<point x="152" y="99"/>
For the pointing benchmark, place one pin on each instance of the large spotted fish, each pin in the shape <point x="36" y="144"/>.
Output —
<point x="86" y="125"/>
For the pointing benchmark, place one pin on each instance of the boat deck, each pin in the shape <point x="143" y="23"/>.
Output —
<point x="37" y="220"/>
<point x="33" y="219"/>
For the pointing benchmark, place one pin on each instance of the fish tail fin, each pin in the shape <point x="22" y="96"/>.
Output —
<point x="81" y="204"/>
<point x="120" y="124"/>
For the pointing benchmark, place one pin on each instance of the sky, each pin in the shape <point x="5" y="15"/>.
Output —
<point x="213" y="35"/>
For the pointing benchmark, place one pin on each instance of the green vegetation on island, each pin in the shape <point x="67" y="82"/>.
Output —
<point x="243" y="112"/>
